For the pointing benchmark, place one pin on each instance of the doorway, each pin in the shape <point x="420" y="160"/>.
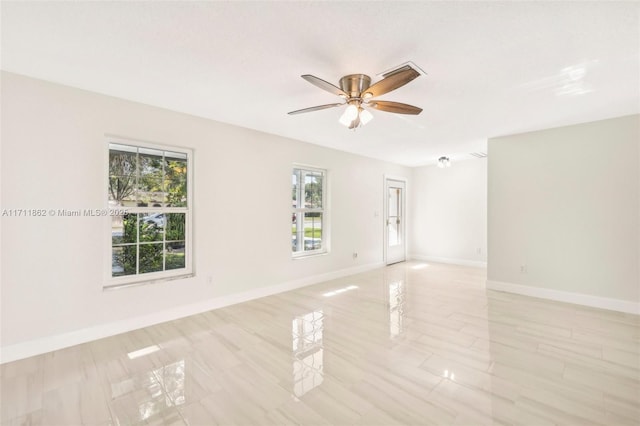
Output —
<point x="395" y="227"/>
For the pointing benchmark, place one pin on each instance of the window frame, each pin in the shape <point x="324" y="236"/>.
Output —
<point x="111" y="282"/>
<point x="324" y="210"/>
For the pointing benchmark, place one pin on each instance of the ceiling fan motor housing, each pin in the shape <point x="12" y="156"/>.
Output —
<point x="355" y="84"/>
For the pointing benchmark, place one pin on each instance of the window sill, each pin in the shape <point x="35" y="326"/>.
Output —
<point x="307" y="256"/>
<point x="147" y="281"/>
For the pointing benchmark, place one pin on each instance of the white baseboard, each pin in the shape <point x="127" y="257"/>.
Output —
<point x="51" y="343"/>
<point x="461" y="262"/>
<point x="628" y="307"/>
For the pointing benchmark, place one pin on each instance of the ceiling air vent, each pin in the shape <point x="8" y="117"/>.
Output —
<point x="401" y="67"/>
<point x="478" y="154"/>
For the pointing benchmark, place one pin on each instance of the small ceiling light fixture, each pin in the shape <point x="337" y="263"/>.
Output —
<point x="444" y="162"/>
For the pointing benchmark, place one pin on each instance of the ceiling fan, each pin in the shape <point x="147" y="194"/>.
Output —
<point x="357" y="92"/>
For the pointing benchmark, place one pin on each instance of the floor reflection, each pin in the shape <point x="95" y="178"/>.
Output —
<point x="307" y="352"/>
<point x="397" y="299"/>
<point x="340" y="290"/>
<point x="152" y="392"/>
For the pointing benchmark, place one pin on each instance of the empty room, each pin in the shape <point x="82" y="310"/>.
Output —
<point x="319" y="213"/>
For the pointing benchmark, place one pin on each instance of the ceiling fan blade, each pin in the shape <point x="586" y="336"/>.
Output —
<point x="325" y="85"/>
<point x="392" y="82"/>
<point x="395" y="107"/>
<point x="315" y="108"/>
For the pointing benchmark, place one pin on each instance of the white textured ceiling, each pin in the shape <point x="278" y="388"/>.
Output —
<point x="493" y="68"/>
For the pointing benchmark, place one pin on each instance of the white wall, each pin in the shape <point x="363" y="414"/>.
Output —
<point x="449" y="216"/>
<point x="53" y="157"/>
<point x="565" y="203"/>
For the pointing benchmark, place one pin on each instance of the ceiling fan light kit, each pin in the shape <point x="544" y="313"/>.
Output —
<point x="357" y="92"/>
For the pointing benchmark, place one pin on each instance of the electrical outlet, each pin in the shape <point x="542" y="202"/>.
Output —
<point x="355" y="255"/>
<point x="209" y="280"/>
<point x="523" y="269"/>
<point x="479" y="250"/>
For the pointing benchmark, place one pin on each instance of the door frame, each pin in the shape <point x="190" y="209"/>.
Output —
<point x="385" y="198"/>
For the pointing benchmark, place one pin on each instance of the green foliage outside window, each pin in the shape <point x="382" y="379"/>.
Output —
<point x="151" y="243"/>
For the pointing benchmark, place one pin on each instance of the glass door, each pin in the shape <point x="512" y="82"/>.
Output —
<point x="395" y="221"/>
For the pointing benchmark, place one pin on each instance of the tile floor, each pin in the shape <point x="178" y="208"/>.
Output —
<point x="413" y="343"/>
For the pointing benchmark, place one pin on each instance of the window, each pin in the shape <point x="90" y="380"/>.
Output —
<point x="149" y="195"/>
<point x="308" y="230"/>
